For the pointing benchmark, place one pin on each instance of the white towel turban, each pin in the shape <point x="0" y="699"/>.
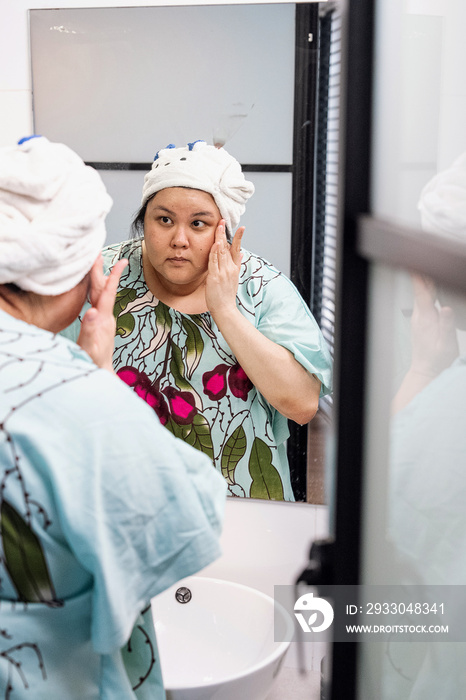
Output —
<point x="443" y="201"/>
<point x="202" y="167"/>
<point x="52" y="214"/>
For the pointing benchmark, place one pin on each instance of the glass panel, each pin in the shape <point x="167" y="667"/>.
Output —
<point x="419" y="100"/>
<point x="415" y="477"/>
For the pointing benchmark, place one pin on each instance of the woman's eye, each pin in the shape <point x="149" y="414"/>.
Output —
<point x="198" y="224"/>
<point x="165" y="220"/>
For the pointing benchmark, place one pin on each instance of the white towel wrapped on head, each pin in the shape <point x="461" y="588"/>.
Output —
<point x="202" y="167"/>
<point x="52" y="216"/>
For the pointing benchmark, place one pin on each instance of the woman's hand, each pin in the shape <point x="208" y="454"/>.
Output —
<point x="97" y="336"/>
<point x="273" y="370"/>
<point x="223" y="272"/>
<point x="433" y="332"/>
<point x="434" y="342"/>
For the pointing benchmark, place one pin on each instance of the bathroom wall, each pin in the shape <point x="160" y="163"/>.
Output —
<point x="15" y="81"/>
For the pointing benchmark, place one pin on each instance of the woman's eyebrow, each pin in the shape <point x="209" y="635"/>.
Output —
<point x="204" y="213"/>
<point x="159" y="207"/>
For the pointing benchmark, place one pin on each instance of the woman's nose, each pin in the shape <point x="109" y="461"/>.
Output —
<point x="180" y="238"/>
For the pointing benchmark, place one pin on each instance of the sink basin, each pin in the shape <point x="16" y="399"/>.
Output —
<point x="219" y="645"/>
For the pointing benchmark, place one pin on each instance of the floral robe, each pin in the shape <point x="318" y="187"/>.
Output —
<point x="181" y="365"/>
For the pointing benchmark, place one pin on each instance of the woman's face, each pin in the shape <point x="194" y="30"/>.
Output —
<point x="179" y="230"/>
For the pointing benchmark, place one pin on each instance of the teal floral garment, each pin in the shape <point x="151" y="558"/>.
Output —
<point x="101" y="509"/>
<point x="181" y="365"/>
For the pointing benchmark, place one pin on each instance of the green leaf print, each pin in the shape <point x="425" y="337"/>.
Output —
<point x="234" y="450"/>
<point x="163" y="322"/>
<point x="194" y="346"/>
<point x="162" y="315"/>
<point x="197" y="434"/>
<point x="200" y="436"/>
<point x="178" y="371"/>
<point x="125" y="322"/>
<point x="179" y="431"/>
<point x="124" y="325"/>
<point x="24" y="559"/>
<point x="266" y="481"/>
<point x="123" y="298"/>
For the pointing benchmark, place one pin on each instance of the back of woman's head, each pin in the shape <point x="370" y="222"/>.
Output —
<point x="52" y="216"/>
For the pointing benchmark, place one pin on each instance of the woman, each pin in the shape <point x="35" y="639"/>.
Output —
<point x="214" y="338"/>
<point x="427" y="483"/>
<point x="100" y="507"/>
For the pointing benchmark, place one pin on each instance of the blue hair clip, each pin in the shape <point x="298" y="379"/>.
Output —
<point x="170" y="145"/>
<point x="28" y="138"/>
<point x="191" y="145"/>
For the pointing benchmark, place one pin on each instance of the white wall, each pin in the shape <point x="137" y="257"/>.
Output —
<point x="420" y="99"/>
<point x="15" y="79"/>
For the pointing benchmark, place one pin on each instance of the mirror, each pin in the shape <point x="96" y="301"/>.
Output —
<point x="116" y="84"/>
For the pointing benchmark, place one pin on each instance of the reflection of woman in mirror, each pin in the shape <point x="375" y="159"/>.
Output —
<point x="427" y="522"/>
<point x="214" y="338"/>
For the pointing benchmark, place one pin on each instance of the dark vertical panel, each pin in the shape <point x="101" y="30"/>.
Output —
<point x="351" y="335"/>
<point x="326" y="178"/>
<point x="306" y="64"/>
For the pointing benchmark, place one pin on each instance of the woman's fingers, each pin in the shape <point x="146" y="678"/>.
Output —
<point x="220" y="233"/>
<point x="98" y="325"/>
<point x="97" y="282"/>
<point x="236" y="246"/>
<point x="221" y="247"/>
<point x="104" y="289"/>
<point x="424" y="292"/>
<point x="107" y="297"/>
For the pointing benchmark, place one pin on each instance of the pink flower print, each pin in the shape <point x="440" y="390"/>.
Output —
<point x="182" y="406"/>
<point x="215" y="382"/>
<point x="155" y="400"/>
<point x="239" y="382"/>
<point x="145" y="390"/>
<point x="131" y="376"/>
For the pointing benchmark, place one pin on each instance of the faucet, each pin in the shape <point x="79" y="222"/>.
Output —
<point x="318" y="572"/>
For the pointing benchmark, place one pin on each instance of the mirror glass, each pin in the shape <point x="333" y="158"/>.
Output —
<point x="413" y="524"/>
<point x="117" y="84"/>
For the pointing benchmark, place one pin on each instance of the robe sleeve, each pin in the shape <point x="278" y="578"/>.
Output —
<point x="139" y="508"/>
<point x="285" y="318"/>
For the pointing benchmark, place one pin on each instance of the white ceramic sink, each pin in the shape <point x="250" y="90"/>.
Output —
<point x="219" y="645"/>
